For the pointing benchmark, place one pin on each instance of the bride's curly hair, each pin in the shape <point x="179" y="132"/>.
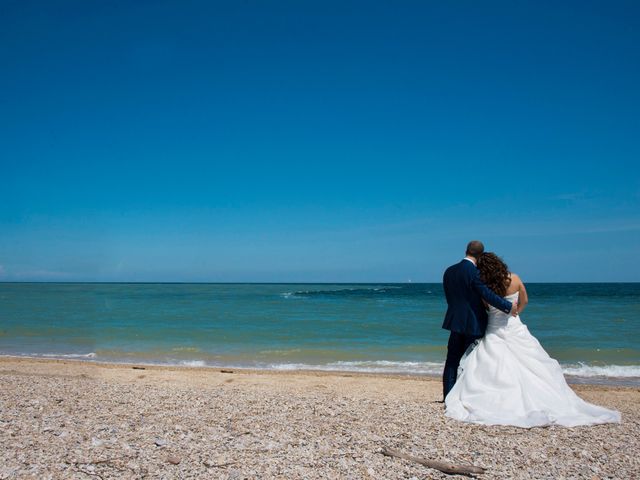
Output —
<point x="494" y="273"/>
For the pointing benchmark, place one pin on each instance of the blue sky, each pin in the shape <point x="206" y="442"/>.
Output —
<point x="317" y="141"/>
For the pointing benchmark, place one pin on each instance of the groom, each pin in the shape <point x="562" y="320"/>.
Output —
<point x="466" y="315"/>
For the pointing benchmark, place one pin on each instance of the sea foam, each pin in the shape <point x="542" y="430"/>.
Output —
<point x="435" y="368"/>
<point x="193" y="363"/>
<point x="373" y="366"/>
<point x="584" y="370"/>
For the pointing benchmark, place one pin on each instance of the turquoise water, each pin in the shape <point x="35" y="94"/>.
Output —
<point x="592" y="329"/>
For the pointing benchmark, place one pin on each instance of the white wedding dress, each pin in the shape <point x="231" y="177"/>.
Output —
<point x="506" y="378"/>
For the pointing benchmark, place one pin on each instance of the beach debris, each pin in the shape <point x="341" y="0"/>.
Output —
<point x="96" y="442"/>
<point x="444" y="467"/>
<point x="234" y="474"/>
<point x="173" y="460"/>
<point x="219" y="464"/>
<point x="160" y="442"/>
<point x="88" y="467"/>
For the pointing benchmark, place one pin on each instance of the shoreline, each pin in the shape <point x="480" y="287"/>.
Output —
<point x="43" y="366"/>
<point x="613" y="381"/>
<point x="75" y="419"/>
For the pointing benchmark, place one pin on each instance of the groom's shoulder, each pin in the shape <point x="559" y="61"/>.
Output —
<point x="452" y="267"/>
<point x="456" y="267"/>
<point x="465" y="268"/>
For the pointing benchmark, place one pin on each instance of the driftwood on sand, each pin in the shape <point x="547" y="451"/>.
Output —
<point x="445" y="467"/>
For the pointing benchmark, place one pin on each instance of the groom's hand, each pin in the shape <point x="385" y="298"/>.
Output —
<point x="514" y="309"/>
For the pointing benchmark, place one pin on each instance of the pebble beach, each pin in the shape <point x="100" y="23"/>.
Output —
<point x="80" y="420"/>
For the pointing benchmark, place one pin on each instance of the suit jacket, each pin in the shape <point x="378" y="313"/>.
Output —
<point x="465" y="291"/>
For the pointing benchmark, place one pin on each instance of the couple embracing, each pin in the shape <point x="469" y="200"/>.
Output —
<point x="496" y="372"/>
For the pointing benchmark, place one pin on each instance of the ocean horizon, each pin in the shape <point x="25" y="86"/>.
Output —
<point x="590" y="328"/>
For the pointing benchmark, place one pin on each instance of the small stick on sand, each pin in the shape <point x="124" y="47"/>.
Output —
<point x="444" y="467"/>
<point x="87" y="472"/>
<point x="218" y="465"/>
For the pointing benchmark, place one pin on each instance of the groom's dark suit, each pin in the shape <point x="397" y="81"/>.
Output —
<point x="466" y="316"/>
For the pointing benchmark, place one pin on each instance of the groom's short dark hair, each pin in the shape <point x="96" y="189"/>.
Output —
<point x="475" y="248"/>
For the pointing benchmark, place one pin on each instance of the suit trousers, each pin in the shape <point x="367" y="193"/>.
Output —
<point x="458" y="344"/>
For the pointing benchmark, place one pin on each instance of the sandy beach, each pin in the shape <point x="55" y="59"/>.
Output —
<point x="62" y="419"/>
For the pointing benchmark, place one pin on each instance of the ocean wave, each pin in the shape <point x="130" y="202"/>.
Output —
<point x="372" y="366"/>
<point x="193" y="363"/>
<point x="435" y="368"/>
<point x="584" y="370"/>
<point x="342" y="292"/>
<point x="185" y="349"/>
<point x="80" y="355"/>
<point x="576" y="370"/>
<point x="58" y="355"/>
<point x="285" y="352"/>
<point x="293" y="295"/>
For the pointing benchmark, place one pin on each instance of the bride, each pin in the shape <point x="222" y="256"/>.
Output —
<point x="507" y="378"/>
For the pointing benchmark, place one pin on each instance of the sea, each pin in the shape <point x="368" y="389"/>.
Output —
<point x="592" y="329"/>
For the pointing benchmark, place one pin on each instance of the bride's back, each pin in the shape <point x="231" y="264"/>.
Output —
<point x="514" y="284"/>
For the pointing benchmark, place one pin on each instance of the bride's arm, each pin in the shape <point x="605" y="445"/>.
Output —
<point x="523" y="298"/>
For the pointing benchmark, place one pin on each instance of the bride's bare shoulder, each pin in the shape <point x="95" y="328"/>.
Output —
<point x="515" y="284"/>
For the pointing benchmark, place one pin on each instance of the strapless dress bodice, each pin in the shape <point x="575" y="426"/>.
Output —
<point x="497" y="318"/>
